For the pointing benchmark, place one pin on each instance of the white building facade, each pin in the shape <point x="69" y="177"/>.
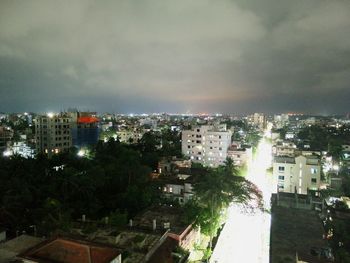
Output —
<point x="207" y="144"/>
<point x="297" y="174"/>
<point x="240" y="157"/>
<point x="53" y="133"/>
<point x="258" y="120"/>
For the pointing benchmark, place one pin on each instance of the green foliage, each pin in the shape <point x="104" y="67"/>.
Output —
<point x="33" y="193"/>
<point x="207" y="254"/>
<point x="118" y="219"/>
<point x="340" y="241"/>
<point x="215" y="191"/>
<point x="325" y="138"/>
<point x="253" y="138"/>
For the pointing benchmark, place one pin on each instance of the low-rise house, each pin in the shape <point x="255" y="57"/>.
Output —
<point x="178" y="188"/>
<point x="129" y="136"/>
<point x="65" y="250"/>
<point x="240" y="156"/>
<point x="169" y="165"/>
<point x="284" y="148"/>
<point x="169" y="219"/>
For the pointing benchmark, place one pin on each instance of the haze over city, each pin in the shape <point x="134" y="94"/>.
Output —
<point x="225" y="56"/>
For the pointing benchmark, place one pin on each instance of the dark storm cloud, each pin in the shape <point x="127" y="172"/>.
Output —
<point x="212" y="56"/>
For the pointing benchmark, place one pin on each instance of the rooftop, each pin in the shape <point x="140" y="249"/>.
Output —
<point x="63" y="250"/>
<point x="295" y="231"/>
<point x="163" y="215"/>
<point x="10" y="249"/>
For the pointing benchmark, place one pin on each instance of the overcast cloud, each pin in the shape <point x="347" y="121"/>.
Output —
<point x="175" y="56"/>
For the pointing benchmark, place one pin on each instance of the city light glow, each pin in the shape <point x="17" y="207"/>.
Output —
<point x="246" y="236"/>
<point x="7" y="153"/>
<point x="81" y="153"/>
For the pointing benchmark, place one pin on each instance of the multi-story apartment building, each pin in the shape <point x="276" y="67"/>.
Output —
<point x="207" y="144"/>
<point x="280" y="120"/>
<point x="85" y="129"/>
<point x="129" y="136"/>
<point x="258" y="120"/>
<point x="53" y="133"/>
<point x="297" y="174"/>
<point x="284" y="148"/>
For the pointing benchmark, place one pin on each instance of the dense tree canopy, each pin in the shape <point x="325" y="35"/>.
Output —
<point x="215" y="191"/>
<point x="324" y="138"/>
<point x="50" y="193"/>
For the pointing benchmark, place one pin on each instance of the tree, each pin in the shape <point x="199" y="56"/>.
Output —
<point x="216" y="189"/>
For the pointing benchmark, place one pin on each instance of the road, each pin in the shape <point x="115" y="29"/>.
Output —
<point x="245" y="237"/>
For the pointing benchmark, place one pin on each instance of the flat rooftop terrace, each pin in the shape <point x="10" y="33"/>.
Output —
<point x="295" y="230"/>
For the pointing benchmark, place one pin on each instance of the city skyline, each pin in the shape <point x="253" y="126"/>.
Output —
<point x="164" y="56"/>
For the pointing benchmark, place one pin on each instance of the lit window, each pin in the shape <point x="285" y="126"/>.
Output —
<point x="313" y="170"/>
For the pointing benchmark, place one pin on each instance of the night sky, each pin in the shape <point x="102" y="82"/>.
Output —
<point x="237" y="56"/>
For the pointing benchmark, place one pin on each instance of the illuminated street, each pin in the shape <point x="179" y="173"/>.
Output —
<point x="245" y="237"/>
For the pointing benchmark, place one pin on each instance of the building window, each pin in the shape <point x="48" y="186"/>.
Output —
<point x="281" y="168"/>
<point x="281" y="177"/>
<point x="313" y="170"/>
<point x="314" y="180"/>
